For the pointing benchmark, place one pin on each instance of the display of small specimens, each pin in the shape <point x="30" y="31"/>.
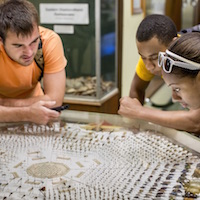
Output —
<point x="91" y="162"/>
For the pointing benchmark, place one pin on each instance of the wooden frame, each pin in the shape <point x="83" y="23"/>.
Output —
<point x="136" y="6"/>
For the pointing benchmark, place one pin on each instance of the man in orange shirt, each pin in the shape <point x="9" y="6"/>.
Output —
<point x="21" y="96"/>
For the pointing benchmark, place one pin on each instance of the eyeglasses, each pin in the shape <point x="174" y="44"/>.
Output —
<point x="167" y="63"/>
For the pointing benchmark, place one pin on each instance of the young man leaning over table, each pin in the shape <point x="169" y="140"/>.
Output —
<point x="21" y="96"/>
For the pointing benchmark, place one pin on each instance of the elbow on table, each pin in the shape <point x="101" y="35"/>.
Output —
<point x="58" y="99"/>
<point x="193" y="126"/>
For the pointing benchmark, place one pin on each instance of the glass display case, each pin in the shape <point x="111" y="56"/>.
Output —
<point x="88" y="29"/>
<point x="92" y="156"/>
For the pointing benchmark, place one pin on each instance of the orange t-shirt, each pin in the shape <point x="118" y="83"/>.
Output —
<point x="17" y="81"/>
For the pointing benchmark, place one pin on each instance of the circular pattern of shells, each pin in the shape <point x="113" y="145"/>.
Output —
<point x="75" y="161"/>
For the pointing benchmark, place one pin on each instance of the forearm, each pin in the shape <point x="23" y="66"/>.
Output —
<point x="29" y="101"/>
<point x="138" y="88"/>
<point x="138" y="95"/>
<point x="23" y="102"/>
<point x="180" y="120"/>
<point x="38" y="113"/>
<point x="14" y="114"/>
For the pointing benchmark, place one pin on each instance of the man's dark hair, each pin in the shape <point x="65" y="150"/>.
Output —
<point x="18" y="16"/>
<point x="160" y="26"/>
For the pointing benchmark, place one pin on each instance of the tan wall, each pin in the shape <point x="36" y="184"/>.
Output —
<point x="129" y="52"/>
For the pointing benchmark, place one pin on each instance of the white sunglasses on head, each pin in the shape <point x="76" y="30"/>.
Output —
<point x="167" y="63"/>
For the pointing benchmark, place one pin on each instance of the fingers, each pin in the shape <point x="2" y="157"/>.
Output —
<point x="41" y="114"/>
<point x="45" y="119"/>
<point x="48" y="104"/>
<point x="122" y="98"/>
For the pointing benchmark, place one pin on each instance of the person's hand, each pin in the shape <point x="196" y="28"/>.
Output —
<point x="40" y="113"/>
<point x="129" y="107"/>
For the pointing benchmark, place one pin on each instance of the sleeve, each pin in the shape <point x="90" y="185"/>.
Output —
<point x="142" y="71"/>
<point x="54" y="58"/>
